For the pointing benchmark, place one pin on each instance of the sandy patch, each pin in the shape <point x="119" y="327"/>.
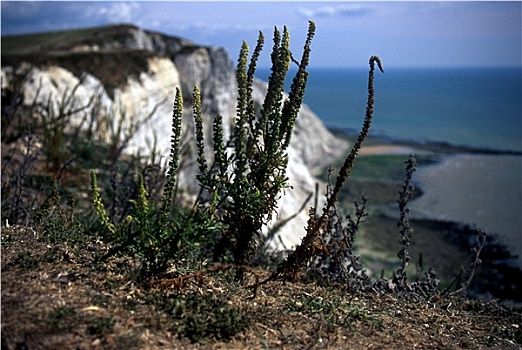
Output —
<point x="386" y="149"/>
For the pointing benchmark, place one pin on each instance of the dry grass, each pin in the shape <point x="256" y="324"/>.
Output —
<point x="57" y="297"/>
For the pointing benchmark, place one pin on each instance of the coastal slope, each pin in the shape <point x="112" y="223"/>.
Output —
<point x="133" y="73"/>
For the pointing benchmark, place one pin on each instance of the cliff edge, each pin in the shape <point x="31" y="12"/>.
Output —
<point x="133" y="73"/>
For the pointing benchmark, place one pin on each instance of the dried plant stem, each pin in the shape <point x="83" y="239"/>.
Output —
<point x="349" y="162"/>
<point x="316" y="226"/>
<point x="470" y="272"/>
<point x="405" y="229"/>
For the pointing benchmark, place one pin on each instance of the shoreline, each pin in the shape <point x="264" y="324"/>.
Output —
<point x="383" y="145"/>
<point x="476" y="190"/>
<point x="481" y="188"/>
<point x="461" y="189"/>
<point x="472" y="186"/>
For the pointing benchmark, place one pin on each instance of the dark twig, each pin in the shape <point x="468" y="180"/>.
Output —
<point x="469" y="273"/>
<point x="311" y="243"/>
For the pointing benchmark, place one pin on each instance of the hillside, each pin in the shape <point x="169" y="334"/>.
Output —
<point x="56" y="296"/>
<point x="113" y="53"/>
<point x="146" y="275"/>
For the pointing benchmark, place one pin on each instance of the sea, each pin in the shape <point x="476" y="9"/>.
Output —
<point x="478" y="108"/>
<point x="475" y="107"/>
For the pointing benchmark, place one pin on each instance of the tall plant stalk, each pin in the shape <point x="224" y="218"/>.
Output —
<point x="311" y="243"/>
<point x="246" y="185"/>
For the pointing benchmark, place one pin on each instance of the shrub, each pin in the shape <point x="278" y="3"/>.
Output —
<point x="240" y="186"/>
<point x="157" y="234"/>
<point x="209" y="316"/>
<point x="245" y="184"/>
<point x="312" y="244"/>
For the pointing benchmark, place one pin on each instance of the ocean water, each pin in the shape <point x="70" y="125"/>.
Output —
<point x="477" y="107"/>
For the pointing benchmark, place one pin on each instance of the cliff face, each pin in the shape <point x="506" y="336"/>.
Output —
<point x="140" y="84"/>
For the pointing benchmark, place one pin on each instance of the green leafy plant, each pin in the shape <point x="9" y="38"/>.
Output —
<point x="245" y="185"/>
<point x="209" y="316"/>
<point x="158" y="234"/>
<point x="26" y="259"/>
<point x="102" y="325"/>
<point x="61" y="317"/>
<point x="57" y="220"/>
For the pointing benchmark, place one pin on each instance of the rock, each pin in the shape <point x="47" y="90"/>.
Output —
<point x="146" y="100"/>
<point x="149" y="100"/>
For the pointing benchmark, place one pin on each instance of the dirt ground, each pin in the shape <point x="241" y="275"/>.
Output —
<point x="55" y="296"/>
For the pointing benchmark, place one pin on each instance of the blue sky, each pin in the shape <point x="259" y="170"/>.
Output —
<point x="403" y="34"/>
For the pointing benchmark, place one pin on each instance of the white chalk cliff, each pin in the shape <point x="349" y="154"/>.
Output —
<point x="149" y="94"/>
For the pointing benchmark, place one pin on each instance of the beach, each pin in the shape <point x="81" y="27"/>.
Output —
<point x="480" y="190"/>
<point x="458" y="190"/>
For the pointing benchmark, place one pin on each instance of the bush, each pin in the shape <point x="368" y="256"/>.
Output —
<point x="209" y="316"/>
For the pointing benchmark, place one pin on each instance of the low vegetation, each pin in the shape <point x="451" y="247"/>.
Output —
<point x="127" y="263"/>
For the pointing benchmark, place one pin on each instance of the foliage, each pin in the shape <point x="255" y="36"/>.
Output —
<point x="245" y="184"/>
<point x="311" y="244"/>
<point x="157" y="234"/>
<point x="60" y="137"/>
<point x="209" y="316"/>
